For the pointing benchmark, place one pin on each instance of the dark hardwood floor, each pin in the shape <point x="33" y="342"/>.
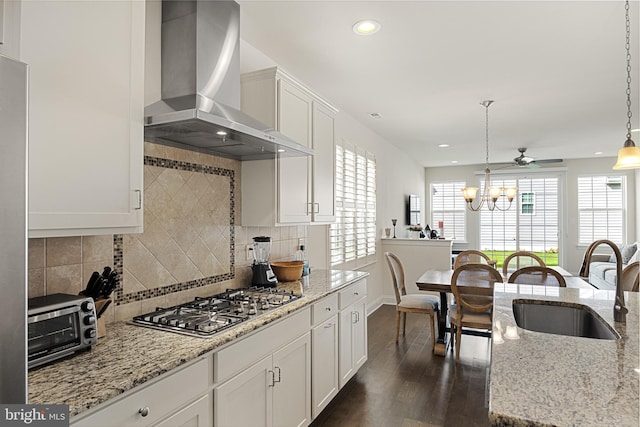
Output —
<point x="407" y="385"/>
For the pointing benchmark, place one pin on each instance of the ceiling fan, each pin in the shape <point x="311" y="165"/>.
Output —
<point x="530" y="162"/>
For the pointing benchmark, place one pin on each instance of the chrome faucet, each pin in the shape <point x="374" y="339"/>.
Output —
<point x="619" y="308"/>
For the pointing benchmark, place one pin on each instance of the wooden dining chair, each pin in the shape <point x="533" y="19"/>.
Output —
<point x="537" y="275"/>
<point x="410" y="303"/>
<point x="473" y="308"/>
<point x="471" y="256"/>
<point x="518" y="260"/>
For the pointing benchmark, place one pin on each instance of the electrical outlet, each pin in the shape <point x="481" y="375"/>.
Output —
<point x="300" y="241"/>
<point x="249" y="250"/>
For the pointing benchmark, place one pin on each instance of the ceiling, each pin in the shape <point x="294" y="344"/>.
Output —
<point x="555" y="69"/>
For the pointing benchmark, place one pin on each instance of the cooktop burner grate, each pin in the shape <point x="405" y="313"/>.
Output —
<point x="207" y="316"/>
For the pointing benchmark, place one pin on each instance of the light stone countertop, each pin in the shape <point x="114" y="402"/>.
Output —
<point x="544" y="379"/>
<point x="131" y="355"/>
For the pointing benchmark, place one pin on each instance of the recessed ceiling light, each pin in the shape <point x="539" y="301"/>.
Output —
<point x="375" y="115"/>
<point x="454" y="161"/>
<point x="366" y="27"/>
<point x="443" y="145"/>
<point x="221" y="133"/>
<point x="597" y="153"/>
<point x="635" y="130"/>
<point x="281" y="150"/>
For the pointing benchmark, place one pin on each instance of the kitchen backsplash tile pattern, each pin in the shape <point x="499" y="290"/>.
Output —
<point x="191" y="245"/>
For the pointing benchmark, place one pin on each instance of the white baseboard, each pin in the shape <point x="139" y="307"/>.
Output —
<point x="379" y="302"/>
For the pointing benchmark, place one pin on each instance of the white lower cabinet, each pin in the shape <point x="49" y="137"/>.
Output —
<point x="197" y="414"/>
<point x="178" y="394"/>
<point x="353" y="330"/>
<point x="324" y="367"/>
<point x="275" y="391"/>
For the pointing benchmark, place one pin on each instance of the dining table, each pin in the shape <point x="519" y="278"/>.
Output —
<point x="439" y="280"/>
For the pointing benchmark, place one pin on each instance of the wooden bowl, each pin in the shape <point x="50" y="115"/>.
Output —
<point x="287" y="271"/>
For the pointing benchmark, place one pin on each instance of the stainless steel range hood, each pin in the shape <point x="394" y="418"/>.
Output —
<point x="201" y="87"/>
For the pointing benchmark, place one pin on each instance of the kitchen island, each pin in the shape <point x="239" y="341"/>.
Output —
<point x="130" y="355"/>
<point x="542" y="379"/>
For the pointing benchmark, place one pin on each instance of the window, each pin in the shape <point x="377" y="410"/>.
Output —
<point x="527" y="203"/>
<point x="448" y="206"/>
<point x="353" y="235"/>
<point x="601" y="208"/>
<point x="531" y="226"/>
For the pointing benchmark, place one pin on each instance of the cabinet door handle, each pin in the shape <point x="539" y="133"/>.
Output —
<point x="318" y="208"/>
<point x="309" y="208"/>
<point x="356" y="293"/>
<point x="354" y="319"/>
<point x="139" y="194"/>
<point x="328" y="308"/>
<point x="279" y="377"/>
<point x="273" y="378"/>
<point x="144" y="411"/>
<point x="328" y="325"/>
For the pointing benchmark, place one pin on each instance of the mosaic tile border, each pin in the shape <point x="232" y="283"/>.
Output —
<point x="118" y="252"/>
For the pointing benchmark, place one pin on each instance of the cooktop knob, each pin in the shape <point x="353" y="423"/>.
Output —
<point x="89" y="320"/>
<point x="90" y="333"/>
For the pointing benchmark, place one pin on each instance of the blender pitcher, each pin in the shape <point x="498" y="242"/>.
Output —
<point x="262" y="273"/>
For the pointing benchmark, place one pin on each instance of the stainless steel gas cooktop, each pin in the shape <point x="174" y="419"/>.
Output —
<point x="206" y="316"/>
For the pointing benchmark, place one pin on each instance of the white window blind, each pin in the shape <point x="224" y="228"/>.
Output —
<point x="601" y="208"/>
<point x="353" y="235"/>
<point x="448" y="205"/>
<point x="531" y="226"/>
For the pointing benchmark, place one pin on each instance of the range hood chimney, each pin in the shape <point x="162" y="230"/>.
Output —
<point x="201" y="87"/>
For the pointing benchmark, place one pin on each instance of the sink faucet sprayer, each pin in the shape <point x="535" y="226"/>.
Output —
<point x="619" y="308"/>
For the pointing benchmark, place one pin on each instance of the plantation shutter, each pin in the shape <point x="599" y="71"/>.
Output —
<point x="353" y="235"/>
<point x="601" y="208"/>
<point x="448" y="205"/>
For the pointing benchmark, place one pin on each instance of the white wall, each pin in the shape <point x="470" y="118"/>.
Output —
<point x="572" y="253"/>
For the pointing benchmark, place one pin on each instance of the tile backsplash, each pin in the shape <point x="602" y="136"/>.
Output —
<point x="191" y="244"/>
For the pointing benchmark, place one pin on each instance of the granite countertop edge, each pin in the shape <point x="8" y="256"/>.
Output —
<point x="132" y="355"/>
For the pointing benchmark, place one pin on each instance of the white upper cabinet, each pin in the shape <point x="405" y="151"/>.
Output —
<point x="324" y="165"/>
<point x="86" y="106"/>
<point x="289" y="190"/>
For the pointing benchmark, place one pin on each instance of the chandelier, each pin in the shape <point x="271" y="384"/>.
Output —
<point x="490" y="194"/>
<point x="629" y="154"/>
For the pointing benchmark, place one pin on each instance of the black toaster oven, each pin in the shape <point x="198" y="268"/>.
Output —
<point x="59" y="325"/>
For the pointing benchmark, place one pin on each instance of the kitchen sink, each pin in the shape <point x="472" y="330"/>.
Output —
<point x="554" y="318"/>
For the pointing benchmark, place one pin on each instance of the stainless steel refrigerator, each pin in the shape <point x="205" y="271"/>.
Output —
<point x="13" y="231"/>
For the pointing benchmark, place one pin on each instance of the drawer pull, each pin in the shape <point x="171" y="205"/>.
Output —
<point x="328" y="308"/>
<point x="144" y="411"/>
<point x="328" y="325"/>
<point x="356" y="293"/>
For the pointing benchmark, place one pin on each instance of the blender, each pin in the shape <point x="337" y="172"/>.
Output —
<point x="262" y="273"/>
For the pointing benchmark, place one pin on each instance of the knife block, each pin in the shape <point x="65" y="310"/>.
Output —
<point x="100" y="304"/>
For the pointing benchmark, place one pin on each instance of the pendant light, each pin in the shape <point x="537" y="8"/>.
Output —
<point x="490" y="195"/>
<point x="629" y="155"/>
